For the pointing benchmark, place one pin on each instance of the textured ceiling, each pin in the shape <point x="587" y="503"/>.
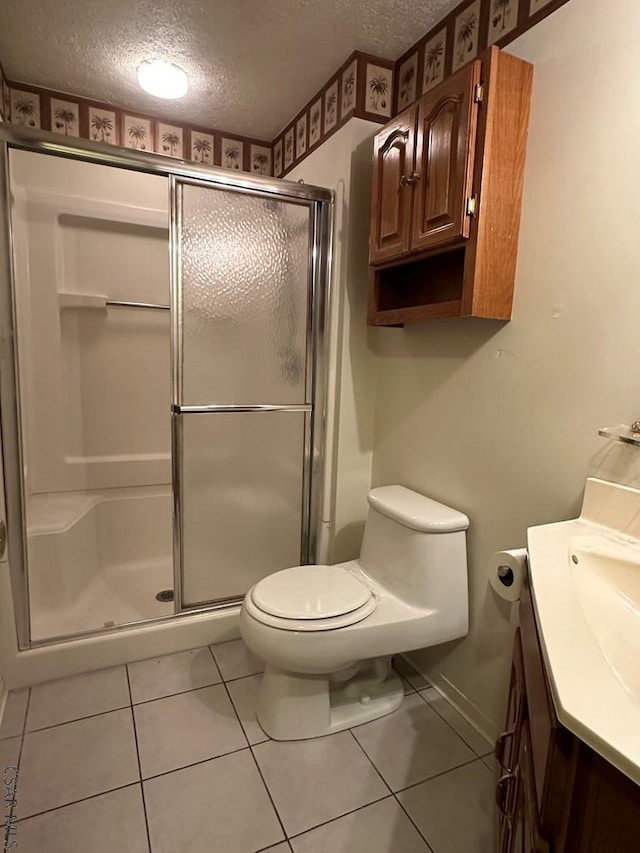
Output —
<point x="252" y="63"/>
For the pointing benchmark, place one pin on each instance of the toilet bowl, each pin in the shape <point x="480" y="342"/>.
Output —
<point x="327" y="633"/>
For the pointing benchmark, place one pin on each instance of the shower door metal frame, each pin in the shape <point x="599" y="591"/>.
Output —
<point x="319" y="229"/>
<point x="318" y="199"/>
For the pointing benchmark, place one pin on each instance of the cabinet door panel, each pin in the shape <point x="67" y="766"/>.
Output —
<point x="543" y="724"/>
<point x="535" y="842"/>
<point x="445" y="151"/>
<point x="507" y="754"/>
<point x="391" y="197"/>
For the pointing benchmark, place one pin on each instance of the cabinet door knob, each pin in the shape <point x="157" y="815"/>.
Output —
<point x="406" y="180"/>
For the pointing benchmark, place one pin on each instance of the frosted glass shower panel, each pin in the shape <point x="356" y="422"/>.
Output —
<point x="242" y="477"/>
<point x="244" y="266"/>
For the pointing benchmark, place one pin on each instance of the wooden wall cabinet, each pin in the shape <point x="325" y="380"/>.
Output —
<point x="446" y="198"/>
<point x="554" y="793"/>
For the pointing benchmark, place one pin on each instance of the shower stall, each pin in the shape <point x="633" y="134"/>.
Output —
<point x="161" y="386"/>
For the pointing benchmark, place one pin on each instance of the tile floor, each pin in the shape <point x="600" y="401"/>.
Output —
<point x="166" y="755"/>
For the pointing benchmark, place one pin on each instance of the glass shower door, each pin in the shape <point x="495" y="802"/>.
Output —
<point x="243" y="383"/>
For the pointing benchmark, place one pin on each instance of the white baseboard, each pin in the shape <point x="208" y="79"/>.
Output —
<point x="460" y="702"/>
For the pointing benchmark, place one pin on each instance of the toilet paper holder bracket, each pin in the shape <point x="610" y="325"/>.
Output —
<point x="506" y="576"/>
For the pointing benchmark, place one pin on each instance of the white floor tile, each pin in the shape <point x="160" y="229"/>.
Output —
<point x="15" y="710"/>
<point x="244" y="695"/>
<point x="180" y="730"/>
<point x="235" y="660"/>
<point x="491" y="763"/>
<point x="77" y="760"/>
<point x="312" y="781"/>
<point x="113" y="821"/>
<point x="219" y="805"/>
<point x="470" y="735"/>
<point x="157" y="677"/>
<point x="326" y="790"/>
<point x="412" y="744"/>
<point x="455" y="811"/>
<point x="380" y="828"/>
<point x="9" y="754"/>
<point x="79" y="696"/>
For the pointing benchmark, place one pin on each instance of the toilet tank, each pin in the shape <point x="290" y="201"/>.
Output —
<point x="416" y="548"/>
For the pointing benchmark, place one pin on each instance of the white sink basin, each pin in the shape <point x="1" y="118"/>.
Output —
<point x="606" y="574"/>
<point x="585" y="583"/>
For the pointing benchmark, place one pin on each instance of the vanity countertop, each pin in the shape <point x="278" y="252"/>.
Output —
<point x="585" y="581"/>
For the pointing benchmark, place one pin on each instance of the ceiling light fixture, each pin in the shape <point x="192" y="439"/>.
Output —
<point x="162" y="79"/>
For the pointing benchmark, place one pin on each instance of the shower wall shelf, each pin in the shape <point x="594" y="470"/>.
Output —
<point x="625" y="434"/>
<point x="81" y="300"/>
<point x="96" y="301"/>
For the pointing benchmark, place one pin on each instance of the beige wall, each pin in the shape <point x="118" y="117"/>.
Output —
<point x="343" y="163"/>
<point x="501" y="421"/>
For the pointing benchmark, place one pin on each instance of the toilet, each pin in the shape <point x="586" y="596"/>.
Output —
<point x="327" y="633"/>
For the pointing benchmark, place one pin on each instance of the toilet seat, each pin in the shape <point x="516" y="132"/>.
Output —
<point x="311" y="598"/>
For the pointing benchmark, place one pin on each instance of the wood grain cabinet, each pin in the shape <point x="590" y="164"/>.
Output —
<point x="554" y="794"/>
<point x="394" y="161"/>
<point x="447" y="188"/>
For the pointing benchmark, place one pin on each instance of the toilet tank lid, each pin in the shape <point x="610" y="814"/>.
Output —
<point x="416" y="511"/>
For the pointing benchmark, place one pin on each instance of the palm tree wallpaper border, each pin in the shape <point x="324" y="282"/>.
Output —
<point x="301" y="136"/>
<point x="331" y="107"/>
<point x="434" y="56"/>
<point x="170" y="140"/>
<point x="102" y="125"/>
<point x="137" y="133"/>
<point x="232" y="154"/>
<point x="65" y="117"/>
<point x="464" y="33"/>
<point x="31" y="106"/>
<point x="202" y="147"/>
<point x="277" y="159"/>
<point x="25" y="108"/>
<point x="502" y="19"/>
<point x="364" y="86"/>
<point x="538" y="5"/>
<point x="407" y="82"/>
<point x="341" y="98"/>
<point x="466" y="36"/>
<point x="261" y="159"/>
<point x="289" y="145"/>
<point x="379" y="90"/>
<point x="315" y="123"/>
<point x="348" y="88"/>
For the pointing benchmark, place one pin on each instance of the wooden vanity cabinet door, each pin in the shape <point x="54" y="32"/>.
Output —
<point x="507" y="753"/>
<point x="445" y="154"/>
<point x="393" y="163"/>
<point x="533" y="836"/>
<point x="543" y="723"/>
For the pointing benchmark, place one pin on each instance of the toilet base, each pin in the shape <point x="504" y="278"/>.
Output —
<point x="293" y="706"/>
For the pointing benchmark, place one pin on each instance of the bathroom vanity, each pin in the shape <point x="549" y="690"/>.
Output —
<point x="568" y="756"/>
